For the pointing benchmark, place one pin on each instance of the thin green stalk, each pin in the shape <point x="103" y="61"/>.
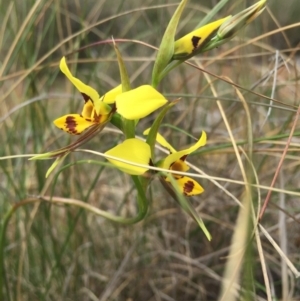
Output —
<point x="142" y="200"/>
<point x="168" y="68"/>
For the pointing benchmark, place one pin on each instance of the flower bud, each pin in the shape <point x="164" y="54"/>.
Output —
<point x="231" y="26"/>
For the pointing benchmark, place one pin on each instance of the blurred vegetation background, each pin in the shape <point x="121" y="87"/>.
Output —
<point x="65" y="253"/>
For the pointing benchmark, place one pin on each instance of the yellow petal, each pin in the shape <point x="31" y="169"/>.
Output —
<point x="179" y="165"/>
<point x="188" y="186"/>
<point x="162" y="141"/>
<point x="189" y="43"/>
<point x="198" y="144"/>
<point x="139" y="102"/>
<point x="105" y="109"/>
<point x="110" y="96"/>
<point x="73" y="124"/>
<point x="181" y="155"/>
<point x="87" y="109"/>
<point x="86" y="91"/>
<point x="133" y="150"/>
<point x="89" y="112"/>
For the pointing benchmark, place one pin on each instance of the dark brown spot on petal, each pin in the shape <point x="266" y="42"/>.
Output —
<point x="188" y="187"/>
<point x="85" y="97"/>
<point x="113" y="108"/>
<point x="195" y="42"/>
<point x="71" y="125"/>
<point x="183" y="158"/>
<point x="97" y="118"/>
<point x="87" y="119"/>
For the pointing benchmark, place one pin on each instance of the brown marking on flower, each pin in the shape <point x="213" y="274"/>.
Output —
<point x="183" y="158"/>
<point x="177" y="165"/>
<point x="188" y="187"/>
<point x="86" y="97"/>
<point x="87" y="119"/>
<point x="71" y="125"/>
<point x="195" y="42"/>
<point x="97" y="118"/>
<point x="113" y="108"/>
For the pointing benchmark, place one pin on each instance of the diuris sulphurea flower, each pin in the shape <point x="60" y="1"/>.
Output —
<point x="96" y="110"/>
<point x="215" y="33"/>
<point x="193" y="42"/>
<point x="139" y="152"/>
<point x="176" y="162"/>
<point x="134" y="104"/>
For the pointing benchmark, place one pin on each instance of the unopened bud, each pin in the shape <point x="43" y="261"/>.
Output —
<point x="231" y="26"/>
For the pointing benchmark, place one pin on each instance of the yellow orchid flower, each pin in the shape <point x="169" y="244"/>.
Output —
<point x="140" y="102"/>
<point x="95" y="110"/>
<point x="134" y="150"/>
<point x="139" y="152"/>
<point x="191" y="43"/>
<point x="176" y="162"/>
<point x="216" y="33"/>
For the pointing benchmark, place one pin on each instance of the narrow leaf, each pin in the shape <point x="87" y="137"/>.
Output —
<point x="55" y="163"/>
<point x="123" y="71"/>
<point x="128" y="125"/>
<point x="166" y="48"/>
<point x="187" y="207"/>
<point x="151" y="138"/>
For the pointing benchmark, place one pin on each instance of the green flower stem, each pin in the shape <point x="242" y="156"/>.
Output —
<point x="167" y="69"/>
<point x="129" y="128"/>
<point x="142" y="200"/>
<point x="151" y="138"/>
<point x="117" y="121"/>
